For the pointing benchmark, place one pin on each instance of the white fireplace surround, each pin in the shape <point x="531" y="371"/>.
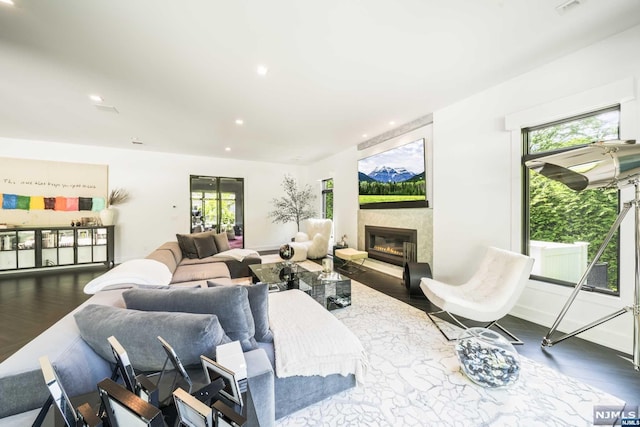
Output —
<point x="420" y="219"/>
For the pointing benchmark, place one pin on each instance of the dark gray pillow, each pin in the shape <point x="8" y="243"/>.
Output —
<point x="189" y="334"/>
<point x="259" y="302"/>
<point x="205" y="245"/>
<point x="222" y="241"/>
<point x="187" y="245"/>
<point x="258" y="295"/>
<point x="229" y="303"/>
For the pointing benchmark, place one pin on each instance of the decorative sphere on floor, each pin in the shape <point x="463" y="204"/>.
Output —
<point x="286" y="252"/>
<point x="487" y="358"/>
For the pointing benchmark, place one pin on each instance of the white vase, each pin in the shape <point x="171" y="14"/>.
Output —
<point x="108" y="215"/>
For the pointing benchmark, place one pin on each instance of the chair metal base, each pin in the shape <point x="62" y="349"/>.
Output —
<point x="351" y="267"/>
<point x="514" y="339"/>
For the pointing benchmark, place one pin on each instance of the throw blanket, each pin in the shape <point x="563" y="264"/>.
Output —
<point x="309" y="340"/>
<point x="237" y="254"/>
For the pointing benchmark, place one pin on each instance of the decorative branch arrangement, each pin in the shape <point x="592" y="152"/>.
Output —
<point x="118" y="196"/>
<point x="296" y="205"/>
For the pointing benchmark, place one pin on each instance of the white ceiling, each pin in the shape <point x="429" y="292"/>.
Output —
<point x="180" y="73"/>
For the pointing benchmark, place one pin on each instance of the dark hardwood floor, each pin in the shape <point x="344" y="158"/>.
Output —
<point x="29" y="304"/>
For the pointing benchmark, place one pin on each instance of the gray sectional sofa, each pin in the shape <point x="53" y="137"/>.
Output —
<point x="187" y="270"/>
<point x="81" y="367"/>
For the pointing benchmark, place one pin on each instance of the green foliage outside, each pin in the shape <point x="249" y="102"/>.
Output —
<point x="208" y="204"/>
<point x="327" y="198"/>
<point x="228" y="210"/>
<point x="558" y="214"/>
<point x="406" y="188"/>
<point x="376" y="199"/>
<point x="328" y="205"/>
<point x="210" y="212"/>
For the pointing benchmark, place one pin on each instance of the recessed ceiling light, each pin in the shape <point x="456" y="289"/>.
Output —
<point x="239" y="121"/>
<point x="9" y="2"/>
<point x="391" y="123"/>
<point x="94" y="98"/>
<point x="364" y="135"/>
<point x="227" y="149"/>
<point x="262" y="70"/>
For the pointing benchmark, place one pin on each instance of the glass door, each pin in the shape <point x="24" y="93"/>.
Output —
<point x="232" y="210"/>
<point x="8" y="247"/>
<point x="84" y="241"/>
<point x="217" y="204"/>
<point x="49" y="248"/>
<point x="66" y="247"/>
<point x="100" y="245"/>
<point x="26" y="249"/>
<point x="204" y="203"/>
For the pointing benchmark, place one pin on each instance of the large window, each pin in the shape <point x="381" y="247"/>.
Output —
<point x="564" y="228"/>
<point x="327" y="198"/>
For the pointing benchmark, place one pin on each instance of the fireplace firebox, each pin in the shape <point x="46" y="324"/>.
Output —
<point x="389" y="244"/>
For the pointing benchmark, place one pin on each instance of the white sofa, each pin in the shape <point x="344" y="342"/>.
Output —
<point x="314" y="241"/>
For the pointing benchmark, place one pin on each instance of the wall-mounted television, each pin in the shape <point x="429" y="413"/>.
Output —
<point x="395" y="178"/>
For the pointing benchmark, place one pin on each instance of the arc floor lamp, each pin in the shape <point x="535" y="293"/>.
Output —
<point x="598" y="165"/>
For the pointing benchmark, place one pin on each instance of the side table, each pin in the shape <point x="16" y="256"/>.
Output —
<point x="351" y="257"/>
<point x="413" y="272"/>
<point x="337" y="262"/>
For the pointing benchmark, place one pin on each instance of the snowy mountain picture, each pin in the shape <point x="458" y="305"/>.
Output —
<point x="395" y="175"/>
<point x="389" y="174"/>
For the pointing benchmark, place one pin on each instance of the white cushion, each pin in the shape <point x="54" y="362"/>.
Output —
<point x="301" y="237"/>
<point x="133" y="273"/>
<point x="299" y="251"/>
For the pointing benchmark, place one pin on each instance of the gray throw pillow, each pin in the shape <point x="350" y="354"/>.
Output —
<point x="229" y="303"/>
<point x="222" y="241"/>
<point x="187" y="245"/>
<point x="258" y="295"/>
<point x="205" y="245"/>
<point x="189" y="334"/>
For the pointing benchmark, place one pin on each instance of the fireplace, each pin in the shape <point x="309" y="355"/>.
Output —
<point x="392" y="245"/>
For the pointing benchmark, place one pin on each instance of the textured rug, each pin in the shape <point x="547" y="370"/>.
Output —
<point x="414" y="380"/>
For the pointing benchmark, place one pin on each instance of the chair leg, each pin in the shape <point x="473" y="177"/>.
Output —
<point x="351" y="267"/>
<point x="514" y="339"/>
<point x="429" y="315"/>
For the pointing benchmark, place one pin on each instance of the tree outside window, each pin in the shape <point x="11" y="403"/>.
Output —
<point x="564" y="228"/>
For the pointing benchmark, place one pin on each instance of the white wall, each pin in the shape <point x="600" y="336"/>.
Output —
<point x="342" y="167"/>
<point x="159" y="186"/>
<point x="477" y="178"/>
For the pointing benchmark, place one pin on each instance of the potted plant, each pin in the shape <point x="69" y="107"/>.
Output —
<point x="117" y="196"/>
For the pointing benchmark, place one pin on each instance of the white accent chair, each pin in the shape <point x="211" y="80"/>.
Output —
<point x="315" y="238"/>
<point x="488" y="295"/>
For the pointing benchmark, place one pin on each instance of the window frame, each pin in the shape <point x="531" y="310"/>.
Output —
<point x="525" y="208"/>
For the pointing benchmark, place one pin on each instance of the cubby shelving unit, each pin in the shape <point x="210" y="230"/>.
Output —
<point x="48" y="247"/>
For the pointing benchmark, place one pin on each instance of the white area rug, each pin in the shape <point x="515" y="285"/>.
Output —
<point x="414" y="380"/>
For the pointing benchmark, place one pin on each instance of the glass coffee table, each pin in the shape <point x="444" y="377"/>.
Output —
<point x="331" y="290"/>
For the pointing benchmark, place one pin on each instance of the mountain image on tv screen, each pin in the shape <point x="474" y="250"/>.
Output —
<point x="396" y="175"/>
